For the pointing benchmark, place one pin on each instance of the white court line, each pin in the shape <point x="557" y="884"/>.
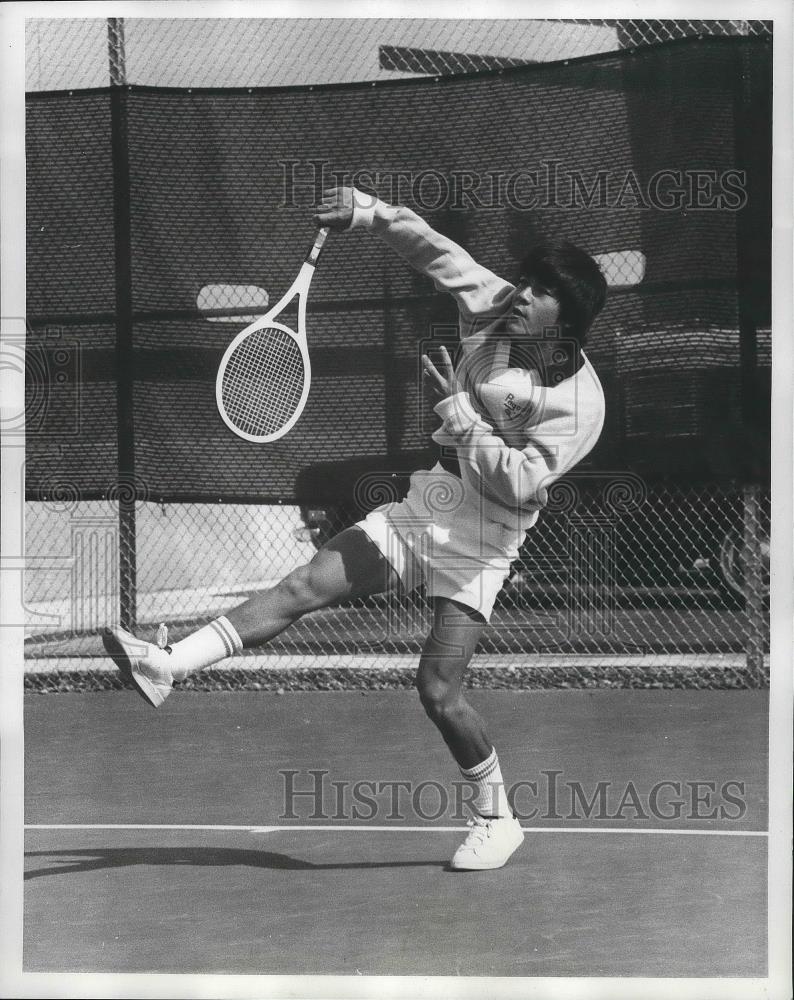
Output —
<point x="389" y="829"/>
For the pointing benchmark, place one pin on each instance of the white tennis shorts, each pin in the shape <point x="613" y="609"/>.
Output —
<point x="438" y="536"/>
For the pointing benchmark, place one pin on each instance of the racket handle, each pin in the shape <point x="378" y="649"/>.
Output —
<point x="314" y="253"/>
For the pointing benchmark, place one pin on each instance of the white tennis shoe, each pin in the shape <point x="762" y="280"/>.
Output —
<point x="145" y="664"/>
<point x="489" y="844"/>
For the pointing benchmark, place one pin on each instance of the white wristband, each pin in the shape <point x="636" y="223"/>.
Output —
<point x="363" y="209"/>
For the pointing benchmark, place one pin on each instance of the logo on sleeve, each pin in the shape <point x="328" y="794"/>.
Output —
<point x="511" y="406"/>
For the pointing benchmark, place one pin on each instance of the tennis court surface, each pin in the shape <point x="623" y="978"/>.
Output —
<point x="169" y="842"/>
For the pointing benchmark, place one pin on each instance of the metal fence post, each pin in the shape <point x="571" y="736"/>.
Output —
<point x="126" y="492"/>
<point x="753" y="248"/>
<point x="753" y="579"/>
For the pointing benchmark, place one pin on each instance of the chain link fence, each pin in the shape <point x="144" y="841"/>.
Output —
<point x="618" y="583"/>
<point x="623" y="584"/>
<point x="68" y="53"/>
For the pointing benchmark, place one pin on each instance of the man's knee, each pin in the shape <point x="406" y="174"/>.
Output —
<point x="306" y="588"/>
<point x="440" y="698"/>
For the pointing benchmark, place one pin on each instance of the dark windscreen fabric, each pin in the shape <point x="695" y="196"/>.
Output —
<point x="221" y="184"/>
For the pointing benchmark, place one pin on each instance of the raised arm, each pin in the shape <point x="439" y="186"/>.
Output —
<point x="476" y="289"/>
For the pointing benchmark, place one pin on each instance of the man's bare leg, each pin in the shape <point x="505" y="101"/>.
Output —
<point x="495" y="833"/>
<point x="349" y="566"/>
<point x="439" y="680"/>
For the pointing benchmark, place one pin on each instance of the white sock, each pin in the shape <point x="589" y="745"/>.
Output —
<point x="491" y="798"/>
<point x="214" y="642"/>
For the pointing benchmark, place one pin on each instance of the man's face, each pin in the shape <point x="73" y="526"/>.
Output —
<point x="532" y="310"/>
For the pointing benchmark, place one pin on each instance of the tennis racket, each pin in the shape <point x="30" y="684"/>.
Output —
<point x="264" y="376"/>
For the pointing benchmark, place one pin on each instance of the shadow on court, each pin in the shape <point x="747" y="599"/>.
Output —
<point x="64" y="862"/>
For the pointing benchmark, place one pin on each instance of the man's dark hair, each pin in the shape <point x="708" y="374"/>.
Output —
<point x="572" y="276"/>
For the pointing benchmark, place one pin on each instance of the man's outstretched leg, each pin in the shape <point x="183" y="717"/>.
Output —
<point x="348" y="566"/>
<point x="495" y="833"/>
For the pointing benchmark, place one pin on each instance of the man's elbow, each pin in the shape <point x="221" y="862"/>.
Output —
<point x="530" y="489"/>
<point x="530" y="498"/>
<point x="515" y="494"/>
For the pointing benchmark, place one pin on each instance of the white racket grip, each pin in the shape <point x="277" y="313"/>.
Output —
<point x="313" y="255"/>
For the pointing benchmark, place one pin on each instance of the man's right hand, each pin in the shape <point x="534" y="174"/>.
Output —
<point x="336" y="208"/>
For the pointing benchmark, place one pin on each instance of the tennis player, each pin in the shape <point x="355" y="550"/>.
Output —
<point x="522" y="406"/>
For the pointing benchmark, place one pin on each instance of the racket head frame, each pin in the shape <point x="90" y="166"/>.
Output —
<point x="261" y="324"/>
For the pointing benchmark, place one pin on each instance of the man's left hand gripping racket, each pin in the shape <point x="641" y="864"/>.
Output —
<point x="264" y="376"/>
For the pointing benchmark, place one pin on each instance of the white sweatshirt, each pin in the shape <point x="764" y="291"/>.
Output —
<point x="513" y="436"/>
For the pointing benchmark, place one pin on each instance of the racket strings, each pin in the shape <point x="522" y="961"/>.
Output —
<point x="263" y="381"/>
